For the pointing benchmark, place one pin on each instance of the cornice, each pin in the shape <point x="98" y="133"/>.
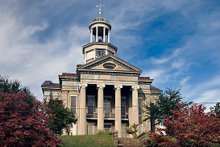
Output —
<point x="100" y="22"/>
<point x="99" y="43"/>
<point x="109" y="72"/>
<point x="112" y="58"/>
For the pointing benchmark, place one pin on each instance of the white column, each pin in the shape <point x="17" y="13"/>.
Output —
<point x="82" y="110"/>
<point x="96" y="37"/>
<point x="109" y="36"/>
<point x="103" y="34"/>
<point x="91" y="35"/>
<point x="135" y="115"/>
<point x="118" y="109"/>
<point x="100" y="107"/>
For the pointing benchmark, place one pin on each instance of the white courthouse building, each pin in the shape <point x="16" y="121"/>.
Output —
<point x="106" y="92"/>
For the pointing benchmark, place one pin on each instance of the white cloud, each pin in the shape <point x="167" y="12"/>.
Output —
<point x="203" y="92"/>
<point x="154" y="73"/>
<point x="184" y="81"/>
<point x="211" y="95"/>
<point x="160" y="60"/>
<point x="24" y="58"/>
<point x="170" y="56"/>
<point x="177" y="64"/>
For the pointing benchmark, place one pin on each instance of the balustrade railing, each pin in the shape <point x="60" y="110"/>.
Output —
<point x="91" y="113"/>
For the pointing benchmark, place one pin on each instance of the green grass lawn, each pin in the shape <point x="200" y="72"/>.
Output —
<point x="99" y="140"/>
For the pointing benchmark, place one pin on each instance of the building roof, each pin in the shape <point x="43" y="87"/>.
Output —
<point x="68" y="76"/>
<point x="50" y="85"/>
<point x="155" y="90"/>
<point x="128" y="68"/>
<point x="100" y="19"/>
<point x="145" y="79"/>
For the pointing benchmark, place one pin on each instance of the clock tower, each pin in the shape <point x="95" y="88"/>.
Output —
<point x="99" y="45"/>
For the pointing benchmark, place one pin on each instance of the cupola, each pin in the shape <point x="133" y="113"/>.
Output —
<point x="100" y="33"/>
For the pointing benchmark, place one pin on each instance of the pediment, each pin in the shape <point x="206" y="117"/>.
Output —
<point x="110" y="63"/>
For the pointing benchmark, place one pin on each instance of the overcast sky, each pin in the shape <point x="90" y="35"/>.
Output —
<point x="177" y="43"/>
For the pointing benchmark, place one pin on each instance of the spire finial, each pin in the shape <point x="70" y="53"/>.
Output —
<point x="100" y="6"/>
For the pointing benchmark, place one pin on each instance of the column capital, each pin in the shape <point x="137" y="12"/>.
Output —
<point x="118" y="86"/>
<point x="83" y="85"/>
<point x="135" y="87"/>
<point x="101" y="85"/>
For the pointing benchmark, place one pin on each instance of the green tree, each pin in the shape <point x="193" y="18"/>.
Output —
<point x="13" y="86"/>
<point x="59" y="117"/>
<point x="163" y="106"/>
<point x="167" y="102"/>
<point x="22" y="118"/>
<point x="151" y="113"/>
<point x="215" y="110"/>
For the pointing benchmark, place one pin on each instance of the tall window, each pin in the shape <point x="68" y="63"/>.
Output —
<point x="73" y="104"/>
<point x="91" y="104"/>
<point x="107" y="107"/>
<point x="123" y="106"/>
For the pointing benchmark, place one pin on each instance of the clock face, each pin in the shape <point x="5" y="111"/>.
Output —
<point x="100" y="52"/>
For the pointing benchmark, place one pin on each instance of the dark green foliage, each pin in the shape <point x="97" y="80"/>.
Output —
<point x="59" y="117"/>
<point x="151" y="113"/>
<point x="215" y="110"/>
<point x="168" y="101"/>
<point x="13" y="86"/>
<point x="163" y="107"/>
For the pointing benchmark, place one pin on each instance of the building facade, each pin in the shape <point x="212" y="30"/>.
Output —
<point x="106" y="92"/>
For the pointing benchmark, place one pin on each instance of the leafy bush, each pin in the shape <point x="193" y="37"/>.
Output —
<point x="156" y="140"/>
<point x="22" y="118"/>
<point x="188" y="127"/>
<point x="132" y="129"/>
<point x="100" y="132"/>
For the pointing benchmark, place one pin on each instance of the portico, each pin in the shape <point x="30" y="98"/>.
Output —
<point x="107" y="103"/>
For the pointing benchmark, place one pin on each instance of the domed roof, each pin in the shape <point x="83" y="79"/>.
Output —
<point x="100" y="19"/>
